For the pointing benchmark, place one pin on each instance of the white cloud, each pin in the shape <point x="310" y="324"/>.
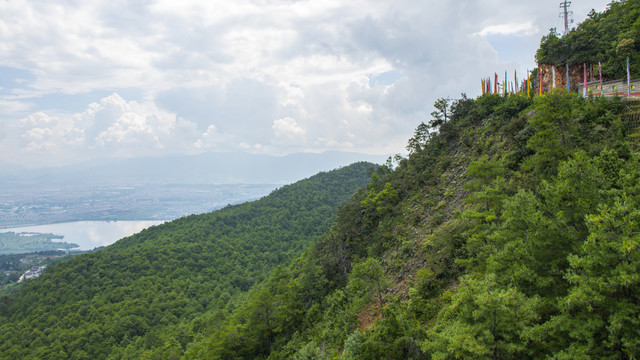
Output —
<point x="520" y="28"/>
<point x="130" y="123"/>
<point x="289" y="129"/>
<point x="213" y="75"/>
<point x="13" y="107"/>
<point x="112" y="126"/>
<point x="212" y="139"/>
<point x="41" y="132"/>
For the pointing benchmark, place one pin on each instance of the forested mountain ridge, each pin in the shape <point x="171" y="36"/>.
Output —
<point x="144" y="291"/>
<point x="511" y="232"/>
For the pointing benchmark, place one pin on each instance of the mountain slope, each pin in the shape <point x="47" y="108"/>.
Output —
<point x="98" y="304"/>
<point x="510" y="233"/>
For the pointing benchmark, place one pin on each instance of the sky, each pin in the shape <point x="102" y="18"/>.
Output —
<point x="84" y="80"/>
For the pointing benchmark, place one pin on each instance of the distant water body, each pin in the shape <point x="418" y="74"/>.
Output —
<point x="89" y="234"/>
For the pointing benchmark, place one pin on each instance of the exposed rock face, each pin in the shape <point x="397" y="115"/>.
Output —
<point x="576" y="75"/>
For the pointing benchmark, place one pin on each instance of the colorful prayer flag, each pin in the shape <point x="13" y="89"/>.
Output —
<point x="540" y="70"/>
<point x="584" y="90"/>
<point x="628" y="78"/>
<point x="600" y="71"/>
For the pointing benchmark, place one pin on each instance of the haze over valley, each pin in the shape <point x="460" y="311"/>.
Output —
<point x="160" y="188"/>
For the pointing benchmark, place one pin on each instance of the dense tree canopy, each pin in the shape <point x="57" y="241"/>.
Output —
<point x="143" y="292"/>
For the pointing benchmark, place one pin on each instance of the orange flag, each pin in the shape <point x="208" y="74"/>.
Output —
<point x="540" y="70"/>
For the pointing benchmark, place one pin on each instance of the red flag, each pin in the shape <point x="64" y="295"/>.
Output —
<point x="584" y="91"/>
<point x="600" y="71"/>
<point x="628" y="79"/>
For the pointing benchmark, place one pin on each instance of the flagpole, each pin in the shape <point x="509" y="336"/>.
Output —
<point x="628" y="78"/>
<point x="584" y="90"/>
<point x="600" y="71"/>
<point x="540" y="81"/>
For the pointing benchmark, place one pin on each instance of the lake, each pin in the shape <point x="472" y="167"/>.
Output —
<point x="89" y="234"/>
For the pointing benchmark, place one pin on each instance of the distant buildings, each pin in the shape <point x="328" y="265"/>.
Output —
<point x="34" y="272"/>
<point x="573" y="77"/>
<point x="613" y="88"/>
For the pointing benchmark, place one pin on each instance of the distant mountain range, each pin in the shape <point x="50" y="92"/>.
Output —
<point x="222" y="168"/>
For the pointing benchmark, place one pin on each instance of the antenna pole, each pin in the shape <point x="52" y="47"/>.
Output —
<point x="566" y="14"/>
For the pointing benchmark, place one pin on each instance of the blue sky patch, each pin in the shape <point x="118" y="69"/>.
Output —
<point x="77" y="103"/>
<point x="386" y="78"/>
<point x="12" y="78"/>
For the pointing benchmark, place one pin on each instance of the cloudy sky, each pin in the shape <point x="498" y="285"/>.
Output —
<point x="81" y="80"/>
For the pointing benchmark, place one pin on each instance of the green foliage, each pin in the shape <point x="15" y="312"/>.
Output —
<point x="608" y="37"/>
<point x="556" y="131"/>
<point x="24" y="243"/>
<point x="13" y="266"/>
<point x="380" y="203"/>
<point x="367" y="277"/>
<point x="419" y="139"/>
<point x="483" y="321"/>
<point x="149" y="295"/>
<point x="601" y="309"/>
<point x="442" y="113"/>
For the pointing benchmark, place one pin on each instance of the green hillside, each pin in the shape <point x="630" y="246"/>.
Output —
<point x="513" y="232"/>
<point x="143" y="291"/>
